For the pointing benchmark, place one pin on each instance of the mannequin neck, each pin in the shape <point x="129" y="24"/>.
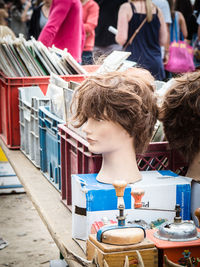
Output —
<point x="119" y="165"/>
<point x="194" y="168"/>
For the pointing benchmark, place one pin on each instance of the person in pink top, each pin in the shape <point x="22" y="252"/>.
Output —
<point x="64" y="27"/>
<point x="90" y="21"/>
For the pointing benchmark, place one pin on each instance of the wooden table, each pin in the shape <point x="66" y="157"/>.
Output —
<point x="47" y="201"/>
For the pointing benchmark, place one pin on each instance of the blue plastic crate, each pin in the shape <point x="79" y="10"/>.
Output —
<point x="50" y="163"/>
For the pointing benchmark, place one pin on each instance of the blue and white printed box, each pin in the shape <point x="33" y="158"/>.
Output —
<point x="92" y="201"/>
<point x="162" y="191"/>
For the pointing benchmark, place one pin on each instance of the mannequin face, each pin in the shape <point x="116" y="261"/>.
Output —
<point x="105" y="136"/>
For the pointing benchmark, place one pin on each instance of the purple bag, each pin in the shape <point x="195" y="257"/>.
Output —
<point x="180" y="53"/>
<point x="180" y="57"/>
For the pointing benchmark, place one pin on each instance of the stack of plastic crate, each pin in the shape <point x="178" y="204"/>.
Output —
<point x="9" y="112"/>
<point x="50" y="146"/>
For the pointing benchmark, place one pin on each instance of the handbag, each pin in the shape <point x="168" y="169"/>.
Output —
<point x="134" y="34"/>
<point x="180" y="55"/>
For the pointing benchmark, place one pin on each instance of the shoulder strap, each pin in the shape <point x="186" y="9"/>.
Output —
<point x="132" y="7"/>
<point x="173" y="30"/>
<point x="135" y="33"/>
<point x="175" y="24"/>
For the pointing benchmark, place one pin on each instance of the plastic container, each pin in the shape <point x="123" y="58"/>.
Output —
<point x="76" y="159"/>
<point x="9" y="111"/>
<point x="30" y="99"/>
<point x="50" y="146"/>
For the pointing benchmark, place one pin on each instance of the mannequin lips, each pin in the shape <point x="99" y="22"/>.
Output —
<point x="91" y="141"/>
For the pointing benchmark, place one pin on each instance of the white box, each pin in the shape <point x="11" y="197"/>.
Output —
<point x="9" y="182"/>
<point x="163" y="190"/>
<point x="6" y="169"/>
<point x="91" y="200"/>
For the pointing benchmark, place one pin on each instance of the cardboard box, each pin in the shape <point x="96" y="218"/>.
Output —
<point x="162" y="191"/>
<point x="92" y="201"/>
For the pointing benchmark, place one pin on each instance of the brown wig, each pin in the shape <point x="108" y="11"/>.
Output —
<point x="126" y="98"/>
<point x="180" y="114"/>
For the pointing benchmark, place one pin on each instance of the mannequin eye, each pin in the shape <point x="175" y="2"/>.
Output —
<point x="95" y="119"/>
<point x="99" y="120"/>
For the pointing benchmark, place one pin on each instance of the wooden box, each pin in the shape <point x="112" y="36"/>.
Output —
<point x="115" y="255"/>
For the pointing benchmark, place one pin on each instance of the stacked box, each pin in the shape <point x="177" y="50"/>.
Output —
<point x="9" y="112"/>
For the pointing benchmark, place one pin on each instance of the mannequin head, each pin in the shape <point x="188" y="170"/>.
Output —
<point x="180" y="113"/>
<point x="125" y="99"/>
<point x="118" y="112"/>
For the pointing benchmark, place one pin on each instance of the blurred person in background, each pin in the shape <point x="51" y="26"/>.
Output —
<point x="178" y="28"/>
<point x="194" y="21"/>
<point x="7" y="5"/>
<point x="19" y="17"/>
<point x="64" y="27"/>
<point x="186" y="9"/>
<point x="181" y="26"/>
<point x="104" y="40"/>
<point x="196" y="34"/>
<point x="90" y="20"/>
<point x="2" y="4"/>
<point x="145" y="48"/>
<point x="39" y="18"/>
<point x="164" y="7"/>
<point x="4" y="29"/>
<point x="36" y="3"/>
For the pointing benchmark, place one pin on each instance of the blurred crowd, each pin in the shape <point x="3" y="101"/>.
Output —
<point x="81" y="26"/>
